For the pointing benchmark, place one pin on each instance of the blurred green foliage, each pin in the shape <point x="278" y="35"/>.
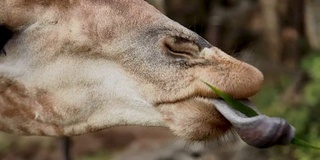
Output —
<point x="311" y="65"/>
<point x="304" y="115"/>
<point x="311" y="101"/>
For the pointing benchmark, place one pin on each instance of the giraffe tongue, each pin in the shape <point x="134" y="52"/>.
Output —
<point x="260" y="131"/>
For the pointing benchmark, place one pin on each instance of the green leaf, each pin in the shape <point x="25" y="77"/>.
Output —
<point x="234" y="103"/>
<point x="251" y="113"/>
<point x="302" y="143"/>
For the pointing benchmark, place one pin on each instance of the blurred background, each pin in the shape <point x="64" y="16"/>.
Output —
<point x="280" y="37"/>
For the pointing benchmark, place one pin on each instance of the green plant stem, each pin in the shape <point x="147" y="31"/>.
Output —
<point x="249" y="112"/>
<point x="302" y="143"/>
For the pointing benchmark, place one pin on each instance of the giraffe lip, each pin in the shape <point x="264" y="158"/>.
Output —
<point x="260" y="131"/>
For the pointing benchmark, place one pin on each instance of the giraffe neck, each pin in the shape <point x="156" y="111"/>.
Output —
<point x="32" y="111"/>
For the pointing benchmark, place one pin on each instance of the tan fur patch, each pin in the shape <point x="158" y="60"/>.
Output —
<point x="13" y="94"/>
<point x="63" y="4"/>
<point x="19" y="107"/>
<point x="195" y="119"/>
<point x="48" y="106"/>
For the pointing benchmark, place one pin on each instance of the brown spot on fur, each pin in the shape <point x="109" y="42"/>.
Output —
<point x="4" y="128"/>
<point x="19" y="90"/>
<point x="58" y="130"/>
<point x="46" y="3"/>
<point x="41" y="132"/>
<point x="10" y="113"/>
<point x="47" y="103"/>
<point x="23" y="129"/>
<point x="15" y="95"/>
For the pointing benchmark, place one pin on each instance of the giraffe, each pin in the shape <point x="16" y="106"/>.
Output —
<point x="70" y="67"/>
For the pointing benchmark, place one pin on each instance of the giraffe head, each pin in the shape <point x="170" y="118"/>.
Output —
<point x="77" y="66"/>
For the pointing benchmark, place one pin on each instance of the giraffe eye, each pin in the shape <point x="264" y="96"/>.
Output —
<point x="178" y="52"/>
<point x="181" y="47"/>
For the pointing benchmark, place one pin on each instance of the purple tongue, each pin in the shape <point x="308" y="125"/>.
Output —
<point x="260" y="131"/>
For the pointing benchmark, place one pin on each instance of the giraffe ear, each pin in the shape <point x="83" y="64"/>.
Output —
<point x="6" y="34"/>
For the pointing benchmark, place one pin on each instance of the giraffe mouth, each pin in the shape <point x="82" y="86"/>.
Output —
<point x="260" y="131"/>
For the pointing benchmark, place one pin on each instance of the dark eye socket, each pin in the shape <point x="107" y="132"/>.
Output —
<point x="6" y="34"/>
<point x="179" y="47"/>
